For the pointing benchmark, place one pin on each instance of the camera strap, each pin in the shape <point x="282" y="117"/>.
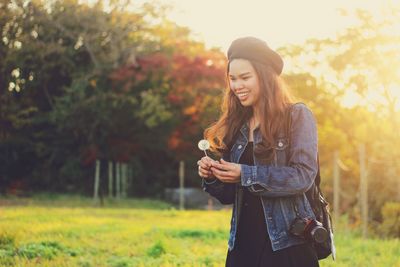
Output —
<point x="288" y="122"/>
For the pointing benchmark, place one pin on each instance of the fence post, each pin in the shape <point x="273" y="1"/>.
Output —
<point x="181" y="185"/>
<point x="96" y="181"/>
<point x="110" y="179"/>
<point x="129" y="177"/>
<point x="118" y="180"/>
<point x="124" y="179"/>
<point x="363" y="190"/>
<point x="210" y="203"/>
<point x="336" y="187"/>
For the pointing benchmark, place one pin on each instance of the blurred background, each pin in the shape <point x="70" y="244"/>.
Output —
<point x="108" y="99"/>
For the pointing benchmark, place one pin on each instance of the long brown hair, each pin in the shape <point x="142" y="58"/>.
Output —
<point x="274" y="100"/>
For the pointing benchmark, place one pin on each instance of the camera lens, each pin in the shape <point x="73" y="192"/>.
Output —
<point x="319" y="234"/>
<point x="309" y="229"/>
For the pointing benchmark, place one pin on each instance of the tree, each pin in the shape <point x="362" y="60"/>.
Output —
<point x="82" y="82"/>
<point x="360" y="62"/>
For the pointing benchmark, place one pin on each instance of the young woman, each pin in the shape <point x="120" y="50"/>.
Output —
<point x="265" y="169"/>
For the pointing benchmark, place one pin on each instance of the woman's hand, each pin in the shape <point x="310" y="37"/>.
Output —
<point x="205" y="164"/>
<point x="225" y="171"/>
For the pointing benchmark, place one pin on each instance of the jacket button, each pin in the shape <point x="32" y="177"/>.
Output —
<point x="240" y="147"/>
<point x="280" y="144"/>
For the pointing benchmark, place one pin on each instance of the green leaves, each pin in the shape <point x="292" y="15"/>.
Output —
<point x="153" y="109"/>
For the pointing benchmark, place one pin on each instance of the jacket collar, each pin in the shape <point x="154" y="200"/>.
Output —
<point x="245" y="130"/>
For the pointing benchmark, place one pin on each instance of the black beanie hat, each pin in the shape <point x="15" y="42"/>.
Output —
<point x="254" y="49"/>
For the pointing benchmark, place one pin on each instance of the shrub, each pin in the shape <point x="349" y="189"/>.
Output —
<point x="116" y="261"/>
<point x="194" y="233"/>
<point x="156" y="250"/>
<point x="46" y="250"/>
<point x="391" y="219"/>
<point x="7" y="240"/>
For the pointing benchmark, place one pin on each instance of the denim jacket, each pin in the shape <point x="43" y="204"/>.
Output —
<point x="281" y="184"/>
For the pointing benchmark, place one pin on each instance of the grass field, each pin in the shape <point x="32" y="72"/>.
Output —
<point x="66" y="231"/>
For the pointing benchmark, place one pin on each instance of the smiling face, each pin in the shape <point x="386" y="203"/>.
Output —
<point x="243" y="81"/>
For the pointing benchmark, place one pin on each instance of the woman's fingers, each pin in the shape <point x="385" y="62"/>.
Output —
<point x="204" y="167"/>
<point x="221" y="173"/>
<point x="224" y="165"/>
<point x="204" y="172"/>
<point x="224" y="170"/>
<point x="205" y="162"/>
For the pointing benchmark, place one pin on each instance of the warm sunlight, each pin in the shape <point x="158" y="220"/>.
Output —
<point x="283" y="23"/>
<point x="103" y="104"/>
<point x="279" y="22"/>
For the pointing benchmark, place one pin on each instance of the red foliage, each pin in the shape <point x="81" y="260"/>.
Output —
<point x="153" y="62"/>
<point x="174" y="99"/>
<point x="189" y="80"/>
<point x="127" y="77"/>
<point x="89" y="155"/>
<point x="122" y="73"/>
<point x="16" y="188"/>
<point x="121" y="149"/>
<point x="199" y="71"/>
<point x="174" y="140"/>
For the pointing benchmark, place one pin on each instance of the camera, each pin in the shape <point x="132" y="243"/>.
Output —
<point x="310" y="229"/>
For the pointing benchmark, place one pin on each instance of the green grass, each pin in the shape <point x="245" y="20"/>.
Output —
<point x="65" y="231"/>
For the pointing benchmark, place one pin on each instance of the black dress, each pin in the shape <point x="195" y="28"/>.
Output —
<point x="252" y="243"/>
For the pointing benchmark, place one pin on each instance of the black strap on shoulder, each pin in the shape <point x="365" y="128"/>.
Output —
<point x="288" y="119"/>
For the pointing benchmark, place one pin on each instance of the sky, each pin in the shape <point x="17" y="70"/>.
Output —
<point x="280" y="22"/>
